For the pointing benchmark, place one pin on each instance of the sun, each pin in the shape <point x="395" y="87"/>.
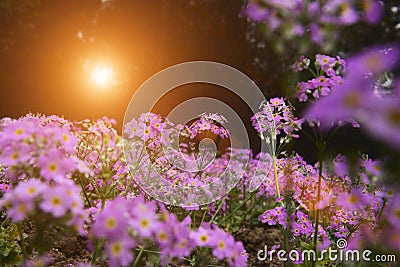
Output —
<point x="103" y="75"/>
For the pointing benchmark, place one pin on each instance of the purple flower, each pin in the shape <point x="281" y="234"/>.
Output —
<point x="56" y="201"/>
<point x="347" y="102"/>
<point x="255" y="12"/>
<point x="346" y="12"/>
<point x="383" y="121"/>
<point x="222" y="244"/>
<point x="39" y="261"/>
<point x="111" y="222"/>
<point x="13" y="155"/>
<point x="119" y="252"/>
<point x="274" y="216"/>
<point x="393" y="211"/>
<point x="374" y="60"/>
<point x="317" y="35"/>
<point x="202" y="236"/>
<point x="145" y="219"/>
<point x="18" y="210"/>
<point x="373" y="11"/>
<point x="301" y="63"/>
<point x="324" y="61"/>
<point x="353" y="200"/>
<point x="276" y="117"/>
<point x="54" y="165"/>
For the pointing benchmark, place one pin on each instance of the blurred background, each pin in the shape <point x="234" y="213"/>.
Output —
<point x="85" y="58"/>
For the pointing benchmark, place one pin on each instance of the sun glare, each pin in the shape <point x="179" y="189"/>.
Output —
<point x="103" y="75"/>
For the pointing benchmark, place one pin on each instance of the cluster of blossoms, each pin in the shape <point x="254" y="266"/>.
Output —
<point x="35" y="146"/>
<point x="59" y="152"/>
<point x="58" y="200"/>
<point x="127" y="224"/>
<point x="349" y="209"/>
<point x="175" y="164"/>
<point x="356" y="98"/>
<point x="100" y="147"/>
<point x="328" y="73"/>
<point x="276" y="118"/>
<point x="321" y="20"/>
<point x="209" y="122"/>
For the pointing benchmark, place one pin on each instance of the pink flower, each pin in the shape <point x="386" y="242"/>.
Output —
<point x="21" y="200"/>
<point x="111" y="222"/>
<point x="383" y="121"/>
<point x="13" y="155"/>
<point x="56" y="201"/>
<point x="30" y="189"/>
<point x="222" y="244"/>
<point x="55" y="165"/>
<point x="373" y="11"/>
<point x="202" y="236"/>
<point x="19" y="210"/>
<point x="374" y="60"/>
<point x="119" y="252"/>
<point x="353" y="200"/>
<point x="393" y="211"/>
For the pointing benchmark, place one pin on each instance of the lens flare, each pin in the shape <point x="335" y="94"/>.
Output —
<point x="103" y="75"/>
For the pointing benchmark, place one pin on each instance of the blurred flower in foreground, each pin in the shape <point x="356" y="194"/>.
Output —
<point x="321" y="20"/>
<point x="355" y="99"/>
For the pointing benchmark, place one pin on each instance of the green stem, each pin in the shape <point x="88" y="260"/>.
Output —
<point x="204" y="215"/>
<point x="219" y="207"/>
<point x="313" y="73"/>
<point x="151" y="251"/>
<point x="99" y="245"/>
<point x="193" y="219"/>
<point x="252" y="207"/>
<point x="317" y="209"/>
<point x="240" y="206"/>
<point x="286" y="244"/>
<point x="23" y="246"/>
<point x="276" y="177"/>
<point x="84" y="191"/>
<point x="138" y="257"/>
<point x="4" y="222"/>
<point x="383" y="207"/>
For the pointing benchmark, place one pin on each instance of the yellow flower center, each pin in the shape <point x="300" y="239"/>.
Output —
<point x="65" y="137"/>
<point x="374" y="62"/>
<point x="394" y="117"/>
<point x="162" y="236"/>
<point x="111" y="223"/>
<point x="19" y="131"/>
<point x="116" y="249"/>
<point x="203" y="238"/>
<point x="221" y="245"/>
<point x="31" y="190"/>
<point x="22" y="208"/>
<point x="351" y="100"/>
<point x="353" y="199"/>
<point x="15" y="155"/>
<point x="397" y="213"/>
<point x="56" y="201"/>
<point x="144" y="223"/>
<point x="53" y="167"/>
